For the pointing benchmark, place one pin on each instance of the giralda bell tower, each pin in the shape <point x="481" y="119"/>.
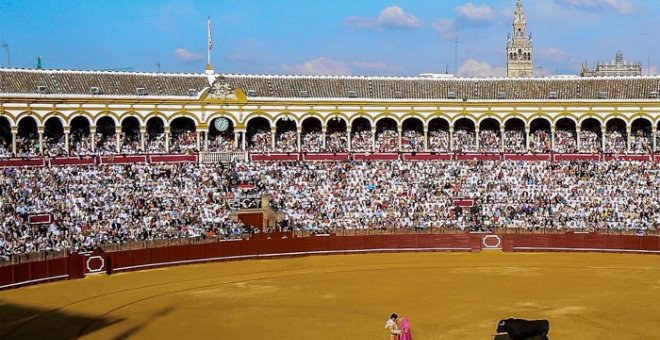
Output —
<point x="520" y="61"/>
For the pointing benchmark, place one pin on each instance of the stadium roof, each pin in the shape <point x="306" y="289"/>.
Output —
<point x="67" y="83"/>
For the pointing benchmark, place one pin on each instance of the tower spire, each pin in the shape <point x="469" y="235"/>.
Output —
<point x="519" y="47"/>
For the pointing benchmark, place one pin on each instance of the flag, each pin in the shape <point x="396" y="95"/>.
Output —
<point x="210" y="35"/>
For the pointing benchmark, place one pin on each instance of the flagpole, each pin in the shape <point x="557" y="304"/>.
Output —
<point x="209" y="67"/>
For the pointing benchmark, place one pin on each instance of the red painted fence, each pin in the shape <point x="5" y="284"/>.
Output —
<point x="78" y="265"/>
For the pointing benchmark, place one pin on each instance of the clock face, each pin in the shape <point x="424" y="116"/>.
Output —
<point x="221" y="124"/>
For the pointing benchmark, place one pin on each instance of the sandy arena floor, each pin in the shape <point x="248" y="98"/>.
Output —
<point x="446" y="296"/>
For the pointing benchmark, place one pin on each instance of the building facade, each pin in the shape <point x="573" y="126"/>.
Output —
<point x="619" y="67"/>
<point x="520" y="56"/>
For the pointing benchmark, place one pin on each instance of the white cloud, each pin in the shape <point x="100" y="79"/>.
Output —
<point x="396" y="17"/>
<point x="555" y="54"/>
<point x="620" y="6"/>
<point x="182" y="54"/>
<point x="445" y="27"/>
<point x="478" y="69"/>
<point x="476" y="13"/>
<point x="653" y="70"/>
<point x="320" y="66"/>
<point x="336" y="67"/>
<point x="392" y="17"/>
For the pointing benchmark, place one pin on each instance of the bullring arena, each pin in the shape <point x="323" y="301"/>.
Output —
<point x="458" y="293"/>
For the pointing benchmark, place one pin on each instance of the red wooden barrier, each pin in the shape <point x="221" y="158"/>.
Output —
<point x="583" y="242"/>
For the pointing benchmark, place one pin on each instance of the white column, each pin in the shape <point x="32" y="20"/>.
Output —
<point x="92" y="137"/>
<point x="198" y="142"/>
<point x="350" y="137"/>
<point x="603" y="133"/>
<point x="628" y="141"/>
<point x="476" y="133"/>
<point x="14" y="136"/>
<point x="66" y="141"/>
<point x="527" y="136"/>
<point x="143" y="144"/>
<point x="451" y="139"/>
<point x="400" y="131"/>
<point x="167" y="139"/>
<point x="273" y="134"/>
<point x="502" y="134"/>
<point x="298" y="138"/>
<point x="577" y="133"/>
<point x="324" y="130"/>
<point x="426" y="138"/>
<point x="552" y="138"/>
<point x="373" y="139"/>
<point x="654" y="132"/>
<point x="41" y="140"/>
<point x="243" y="140"/>
<point x="118" y="139"/>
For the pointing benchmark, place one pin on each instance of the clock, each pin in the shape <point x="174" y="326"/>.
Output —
<point x="221" y="124"/>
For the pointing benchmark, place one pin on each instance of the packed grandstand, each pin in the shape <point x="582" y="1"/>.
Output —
<point x="397" y="154"/>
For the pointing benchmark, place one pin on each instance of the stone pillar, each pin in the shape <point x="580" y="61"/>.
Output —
<point x="476" y="141"/>
<point x="92" y="137"/>
<point x="243" y="140"/>
<point x="552" y="138"/>
<point x="399" y="130"/>
<point x="298" y="138"/>
<point x="143" y="137"/>
<point x="324" y="130"/>
<point x="451" y="139"/>
<point x="654" y="132"/>
<point x="527" y="136"/>
<point x="603" y="133"/>
<point x="502" y="135"/>
<point x="350" y="137"/>
<point x="41" y="140"/>
<point x="67" y="147"/>
<point x="118" y="139"/>
<point x="167" y="139"/>
<point x="373" y="139"/>
<point x="577" y="136"/>
<point x="426" y="138"/>
<point x="273" y="134"/>
<point x="628" y="138"/>
<point x="198" y="142"/>
<point x="236" y="140"/>
<point x="14" y="136"/>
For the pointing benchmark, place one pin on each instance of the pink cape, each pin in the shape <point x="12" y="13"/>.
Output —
<point x="406" y="332"/>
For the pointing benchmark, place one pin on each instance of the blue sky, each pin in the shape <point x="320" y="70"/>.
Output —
<point x="365" y="37"/>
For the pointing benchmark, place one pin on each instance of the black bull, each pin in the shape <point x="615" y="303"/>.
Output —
<point x="519" y="329"/>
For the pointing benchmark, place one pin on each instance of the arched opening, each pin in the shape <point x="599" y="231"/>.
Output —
<point x="387" y="136"/>
<point x="616" y="136"/>
<point x="221" y="135"/>
<point x="105" y="136"/>
<point x="258" y="135"/>
<point x="312" y="138"/>
<point x="565" y="136"/>
<point x="130" y="136"/>
<point x="183" y="138"/>
<point x="5" y="138"/>
<point x="361" y="135"/>
<point x="27" y="142"/>
<point x="490" y="136"/>
<point x="464" y="137"/>
<point x="80" y="138"/>
<point x="286" y="135"/>
<point x="438" y="135"/>
<point x="514" y="136"/>
<point x="337" y="136"/>
<point x="539" y="136"/>
<point x="54" y="143"/>
<point x="641" y="138"/>
<point x="412" y="135"/>
<point x="590" y="136"/>
<point x="155" y="142"/>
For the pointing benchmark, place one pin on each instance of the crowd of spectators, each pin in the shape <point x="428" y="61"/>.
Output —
<point x="336" y="142"/>
<point x="540" y="142"/>
<point x="91" y="206"/>
<point x="261" y="141"/>
<point x="97" y="205"/>
<point x="514" y="141"/>
<point x="565" y="141"/>
<point x="221" y="143"/>
<point x="412" y="141"/>
<point x="438" y="141"/>
<point x="387" y="141"/>
<point x="361" y="141"/>
<point x="464" y="141"/>
<point x="590" y="141"/>
<point x="287" y="141"/>
<point x="489" y="141"/>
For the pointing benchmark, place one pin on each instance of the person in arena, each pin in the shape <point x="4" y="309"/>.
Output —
<point x="406" y="331"/>
<point x="392" y="327"/>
